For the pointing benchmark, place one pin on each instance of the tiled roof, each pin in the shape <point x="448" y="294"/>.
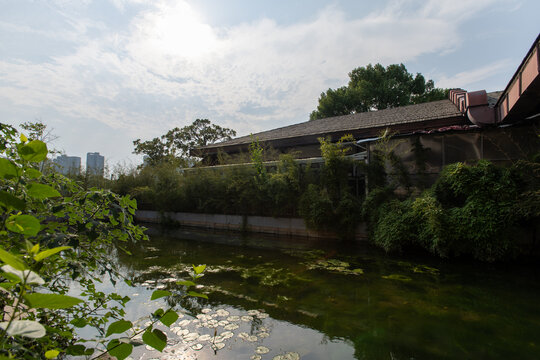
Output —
<point x="374" y="119"/>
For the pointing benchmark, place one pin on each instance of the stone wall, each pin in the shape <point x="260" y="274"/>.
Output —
<point x="260" y="224"/>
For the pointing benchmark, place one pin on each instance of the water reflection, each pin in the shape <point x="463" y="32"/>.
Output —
<point x="281" y="298"/>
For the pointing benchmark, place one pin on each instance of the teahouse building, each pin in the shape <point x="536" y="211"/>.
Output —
<point x="499" y="126"/>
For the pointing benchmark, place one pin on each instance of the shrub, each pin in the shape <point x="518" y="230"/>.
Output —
<point x="433" y="225"/>
<point x="316" y="208"/>
<point x="471" y="209"/>
<point x="395" y="228"/>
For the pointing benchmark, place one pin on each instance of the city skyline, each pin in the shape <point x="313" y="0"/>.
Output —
<point x="67" y="156"/>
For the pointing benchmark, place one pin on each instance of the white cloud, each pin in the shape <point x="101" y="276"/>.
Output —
<point x="169" y="66"/>
<point x="475" y="77"/>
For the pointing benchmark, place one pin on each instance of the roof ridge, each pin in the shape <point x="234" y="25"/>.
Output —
<point x="387" y="117"/>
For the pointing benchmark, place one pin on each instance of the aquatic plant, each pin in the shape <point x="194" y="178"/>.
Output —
<point x="334" y="265"/>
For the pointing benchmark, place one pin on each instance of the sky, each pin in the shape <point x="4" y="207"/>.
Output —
<point x="102" y="73"/>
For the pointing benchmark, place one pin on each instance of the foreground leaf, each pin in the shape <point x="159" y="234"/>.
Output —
<point x="155" y="338"/>
<point x="193" y="293"/>
<point x="118" y="349"/>
<point x="79" y="322"/>
<point x="42" y="191"/>
<point x="51" y="301"/>
<point x="8" y="170"/>
<point x="32" y="173"/>
<point x="34" y="151"/>
<point x="12" y="260"/>
<point x="119" y="327"/>
<point x="23" y="224"/>
<point x="169" y="317"/>
<point x="51" y="354"/>
<point x="27" y="328"/>
<point x="159" y="294"/>
<point x="76" y="350"/>
<point x="186" y="283"/>
<point x="199" y="269"/>
<point x="46" y="253"/>
<point x="11" y="202"/>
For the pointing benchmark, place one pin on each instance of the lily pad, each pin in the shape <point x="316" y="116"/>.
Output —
<point x="218" y="346"/>
<point x="397" y="277"/>
<point x="222" y="312"/>
<point x="227" y="334"/>
<point x="424" y="269"/>
<point x="261" y="350"/>
<point x="231" y="327"/>
<point x="287" y="356"/>
<point x="334" y="265"/>
<point x="191" y="337"/>
<point x="205" y="337"/>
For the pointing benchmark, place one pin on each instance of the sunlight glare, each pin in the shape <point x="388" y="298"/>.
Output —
<point x="178" y="31"/>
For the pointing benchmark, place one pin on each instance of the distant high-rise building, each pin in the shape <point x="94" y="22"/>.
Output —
<point x="95" y="164"/>
<point x="68" y="165"/>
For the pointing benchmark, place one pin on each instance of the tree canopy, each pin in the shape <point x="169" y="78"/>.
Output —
<point x="375" y="87"/>
<point x="175" y="145"/>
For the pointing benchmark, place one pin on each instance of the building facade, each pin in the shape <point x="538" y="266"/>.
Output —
<point x="68" y="165"/>
<point x="498" y="126"/>
<point x="95" y="164"/>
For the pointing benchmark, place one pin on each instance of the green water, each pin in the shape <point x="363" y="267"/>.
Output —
<point x="329" y="300"/>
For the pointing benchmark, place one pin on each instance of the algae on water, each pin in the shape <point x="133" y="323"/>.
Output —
<point x="334" y="265"/>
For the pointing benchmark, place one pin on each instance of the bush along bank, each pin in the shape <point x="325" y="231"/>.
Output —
<point x="322" y="196"/>
<point x="479" y="210"/>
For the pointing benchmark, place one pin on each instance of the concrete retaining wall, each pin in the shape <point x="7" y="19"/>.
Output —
<point x="261" y="224"/>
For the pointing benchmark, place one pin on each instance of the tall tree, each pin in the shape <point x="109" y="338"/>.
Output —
<point x="176" y="144"/>
<point x="375" y="87"/>
<point x="38" y="131"/>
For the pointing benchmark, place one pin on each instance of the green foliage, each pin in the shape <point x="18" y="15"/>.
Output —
<point x="395" y="228"/>
<point x="284" y="187"/>
<point x="474" y="210"/>
<point x="175" y="146"/>
<point x="256" y="155"/>
<point x="227" y="190"/>
<point x="385" y="167"/>
<point x="159" y="294"/>
<point x="316" y="208"/>
<point x="331" y="206"/>
<point x="155" y="338"/>
<point x="51" y="301"/>
<point x="119" y="327"/>
<point x="53" y="233"/>
<point x="341" y="101"/>
<point x="375" y="88"/>
<point x="322" y="197"/>
<point x="433" y="224"/>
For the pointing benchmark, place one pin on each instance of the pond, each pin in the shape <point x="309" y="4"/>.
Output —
<point x="288" y="298"/>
